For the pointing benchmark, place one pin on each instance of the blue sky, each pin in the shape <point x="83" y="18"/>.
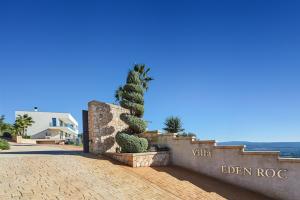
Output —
<point x="229" y="69"/>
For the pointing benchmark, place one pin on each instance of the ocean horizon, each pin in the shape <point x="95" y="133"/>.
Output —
<point x="287" y="149"/>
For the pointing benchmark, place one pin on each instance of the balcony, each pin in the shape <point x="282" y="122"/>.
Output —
<point x="63" y="127"/>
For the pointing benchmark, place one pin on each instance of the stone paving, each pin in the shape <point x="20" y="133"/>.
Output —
<point x="55" y="172"/>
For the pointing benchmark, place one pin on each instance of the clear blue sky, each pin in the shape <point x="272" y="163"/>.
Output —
<point x="229" y="69"/>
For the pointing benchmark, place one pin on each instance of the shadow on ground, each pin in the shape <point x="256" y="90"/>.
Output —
<point x="210" y="184"/>
<point x="206" y="183"/>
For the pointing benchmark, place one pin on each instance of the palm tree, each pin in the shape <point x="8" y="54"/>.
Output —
<point x="143" y="74"/>
<point x="6" y="126"/>
<point x="173" y="125"/>
<point x="22" y="123"/>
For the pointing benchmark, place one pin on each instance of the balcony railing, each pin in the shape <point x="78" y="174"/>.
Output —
<point x="64" y="125"/>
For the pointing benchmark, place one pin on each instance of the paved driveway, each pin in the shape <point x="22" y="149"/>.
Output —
<point x="56" y="172"/>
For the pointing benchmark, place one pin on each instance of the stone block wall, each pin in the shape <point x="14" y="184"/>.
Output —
<point x="261" y="171"/>
<point x="104" y="123"/>
<point x="146" y="159"/>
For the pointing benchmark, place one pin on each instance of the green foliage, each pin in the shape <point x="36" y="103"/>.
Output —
<point x="131" y="97"/>
<point x="22" y="122"/>
<point x="187" y="135"/>
<point x="134" y="88"/>
<point x="138" y="98"/>
<point x="5" y="127"/>
<point x="137" y="125"/>
<point x="173" y="125"/>
<point x="135" y="108"/>
<point x="143" y="75"/>
<point x="133" y="78"/>
<point x="131" y="143"/>
<point x="4" y="145"/>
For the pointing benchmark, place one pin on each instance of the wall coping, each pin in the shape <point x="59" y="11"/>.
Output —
<point x="241" y="148"/>
<point x="276" y="153"/>
<point x="292" y="160"/>
<point x="95" y="102"/>
<point x="203" y="141"/>
<point x="137" y="154"/>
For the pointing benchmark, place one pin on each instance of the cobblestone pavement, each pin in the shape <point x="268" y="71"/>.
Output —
<point x="54" y="172"/>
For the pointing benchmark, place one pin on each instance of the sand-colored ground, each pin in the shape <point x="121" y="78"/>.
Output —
<point x="62" y="172"/>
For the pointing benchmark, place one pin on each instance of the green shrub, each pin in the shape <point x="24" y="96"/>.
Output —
<point x="131" y="97"/>
<point x="131" y="143"/>
<point x="135" y="108"/>
<point x="26" y="136"/>
<point x="4" y="145"/>
<point x="187" y="135"/>
<point x="133" y="88"/>
<point x="173" y="125"/>
<point x="137" y="125"/>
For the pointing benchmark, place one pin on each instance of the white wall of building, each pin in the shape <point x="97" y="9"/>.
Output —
<point x="43" y="123"/>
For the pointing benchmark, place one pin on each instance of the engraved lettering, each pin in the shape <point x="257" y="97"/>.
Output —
<point x="248" y="171"/>
<point x="270" y="172"/>
<point x="260" y="172"/>
<point x="279" y="175"/>
<point x="201" y="152"/>
<point x="231" y="170"/>
<point x="223" y="167"/>
<point x="238" y="170"/>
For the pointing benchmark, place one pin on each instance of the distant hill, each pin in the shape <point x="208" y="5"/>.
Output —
<point x="287" y="149"/>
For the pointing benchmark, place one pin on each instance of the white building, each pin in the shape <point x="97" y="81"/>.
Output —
<point x="51" y="125"/>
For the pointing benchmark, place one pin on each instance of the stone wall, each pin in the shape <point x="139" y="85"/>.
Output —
<point x="21" y="140"/>
<point x="104" y="123"/>
<point x="146" y="159"/>
<point x="261" y="171"/>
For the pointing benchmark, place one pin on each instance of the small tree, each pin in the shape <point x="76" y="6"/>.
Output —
<point x="4" y="127"/>
<point x="2" y="124"/>
<point x="22" y="123"/>
<point x="173" y="125"/>
<point x="131" y="97"/>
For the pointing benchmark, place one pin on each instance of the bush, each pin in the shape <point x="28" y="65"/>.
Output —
<point x="173" y="125"/>
<point x="26" y="136"/>
<point x="4" y="145"/>
<point x="187" y="135"/>
<point x="131" y="143"/>
<point x="137" y="125"/>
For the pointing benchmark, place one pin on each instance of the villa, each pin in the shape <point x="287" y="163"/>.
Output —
<point x="51" y="125"/>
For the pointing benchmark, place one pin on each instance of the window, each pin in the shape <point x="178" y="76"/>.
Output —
<point x="53" y="121"/>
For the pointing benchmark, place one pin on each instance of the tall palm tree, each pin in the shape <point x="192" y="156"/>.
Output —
<point x="22" y="123"/>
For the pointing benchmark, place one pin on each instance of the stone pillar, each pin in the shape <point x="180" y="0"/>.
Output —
<point x="19" y="139"/>
<point x="104" y="123"/>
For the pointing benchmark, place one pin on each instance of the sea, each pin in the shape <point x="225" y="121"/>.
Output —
<point x="287" y="149"/>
